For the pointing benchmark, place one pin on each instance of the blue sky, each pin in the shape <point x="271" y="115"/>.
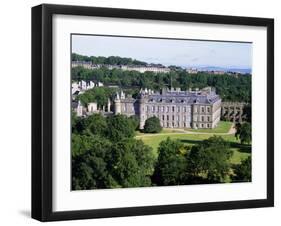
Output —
<point x="186" y="53"/>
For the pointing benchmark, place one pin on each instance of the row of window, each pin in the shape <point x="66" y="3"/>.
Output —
<point x="202" y="118"/>
<point x="127" y="108"/>
<point x="175" y="125"/>
<point x="197" y="125"/>
<point x="185" y="125"/>
<point x="167" y="109"/>
<point x="202" y="109"/>
<point x="170" y="117"/>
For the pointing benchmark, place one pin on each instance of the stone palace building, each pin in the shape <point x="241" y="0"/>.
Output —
<point x="174" y="108"/>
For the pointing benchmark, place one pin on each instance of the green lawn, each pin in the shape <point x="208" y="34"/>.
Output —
<point x="238" y="156"/>
<point x="240" y="151"/>
<point x="222" y="127"/>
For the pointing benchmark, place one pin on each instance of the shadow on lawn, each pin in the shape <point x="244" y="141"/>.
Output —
<point x="192" y="142"/>
<point x="245" y="148"/>
<point x="242" y="147"/>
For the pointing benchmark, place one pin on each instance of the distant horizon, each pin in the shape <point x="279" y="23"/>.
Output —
<point x="168" y="52"/>
<point x="202" y="67"/>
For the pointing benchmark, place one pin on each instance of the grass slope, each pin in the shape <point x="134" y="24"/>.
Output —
<point x="240" y="151"/>
<point x="222" y="127"/>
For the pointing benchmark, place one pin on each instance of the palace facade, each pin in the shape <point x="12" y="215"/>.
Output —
<point x="174" y="108"/>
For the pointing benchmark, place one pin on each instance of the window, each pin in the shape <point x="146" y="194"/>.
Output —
<point x="147" y="108"/>
<point x="208" y="109"/>
<point x="179" y="109"/>
<point x="209" y="119"/>
<point x="153" y="108"/>
<point x="202" y="118"/>
<point x="202" y="125"/>
<point x="167" y="109"/>
<point x="163" y="117"/>
<point x="202" y="109"/>
<point x="167" y="117"/>
<point x="184" y="118"/>
<point x="184" y="109"/>
<point x="173" y="109"/>
<point x="173" y="117"/>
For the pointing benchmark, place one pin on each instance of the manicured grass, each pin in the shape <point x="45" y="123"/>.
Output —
<point x="238" y="156"/>
<point x="153" y="140"/>
<point x="222" y="127"/>
<point x="164" y="130"/>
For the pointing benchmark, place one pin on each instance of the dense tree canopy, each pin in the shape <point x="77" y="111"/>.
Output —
<point x="120" y="127"/>
<point x="244" y="133"/>
<point x="100" y="95"/>
<point x="104" y="154"/>
<point x="131" y="163"/>
<point x="243" y="171"/>
<point x="210" y="159"/>
<point x="170" y="168"/>
<point x="152" y="125"/>
<point x="89" y="162"/>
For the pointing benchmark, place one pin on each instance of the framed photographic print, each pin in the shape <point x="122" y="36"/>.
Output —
<point x="146" y="112"/>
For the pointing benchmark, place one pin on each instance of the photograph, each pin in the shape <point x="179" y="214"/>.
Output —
<point x="152" y="111"/>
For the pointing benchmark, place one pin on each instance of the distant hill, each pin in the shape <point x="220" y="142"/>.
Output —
<point x="237" y="70"/>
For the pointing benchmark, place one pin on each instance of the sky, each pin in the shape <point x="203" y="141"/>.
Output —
<point x="184" y="53"/>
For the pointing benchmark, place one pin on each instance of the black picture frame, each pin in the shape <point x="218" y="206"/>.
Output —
<point x="42" y="111"/>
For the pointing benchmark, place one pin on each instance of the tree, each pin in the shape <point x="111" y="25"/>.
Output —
<point x="89" y="162"/>
<point x="171" y="164"/>
<point x="244" y="133"/>
<point x="210" y="160"/>
<point x="96" y="124"/>
<point x="77" y="124"/>
<point x="135" y="121"/>
<point x="119" y="127"/>
<point x="243" y="171"/>
<point x="152" y="125"/>
<point x="131" y="164"/>
<point x="100" y="95"/>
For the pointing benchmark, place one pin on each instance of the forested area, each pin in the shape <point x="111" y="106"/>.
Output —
<point x="236" y="88"/>
<point x="112" y="60"/>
